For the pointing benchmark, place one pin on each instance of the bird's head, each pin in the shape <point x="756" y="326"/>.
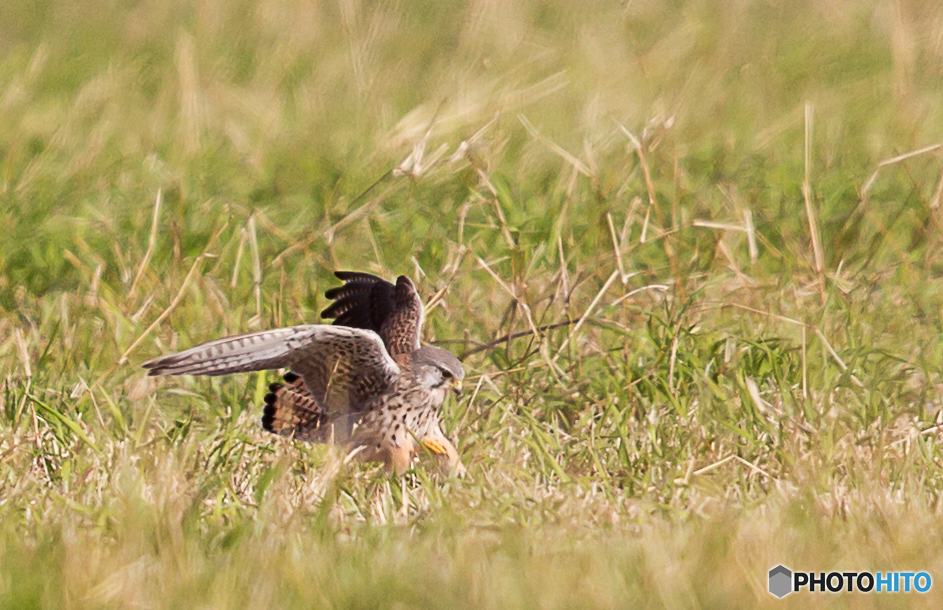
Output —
<point x="437" y="369"/>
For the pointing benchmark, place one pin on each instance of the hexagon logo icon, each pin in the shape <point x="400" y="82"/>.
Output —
<point x="780" y="581"/>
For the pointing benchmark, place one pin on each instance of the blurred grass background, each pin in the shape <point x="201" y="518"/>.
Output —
<point x="732" y="386"/>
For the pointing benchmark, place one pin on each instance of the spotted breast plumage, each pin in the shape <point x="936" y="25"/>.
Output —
<point x="364" y="382"/>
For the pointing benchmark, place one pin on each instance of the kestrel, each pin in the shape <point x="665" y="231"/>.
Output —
<point x="365" y="382"/>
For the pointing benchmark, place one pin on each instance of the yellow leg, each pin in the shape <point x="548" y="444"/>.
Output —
<point x="435" y="446"/>
<point x="446" y="455"/>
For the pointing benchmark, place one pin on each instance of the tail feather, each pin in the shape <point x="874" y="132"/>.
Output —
<point x="290" y="410"/>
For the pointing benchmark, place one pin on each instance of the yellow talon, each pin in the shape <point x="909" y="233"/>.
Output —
<point x="434" y="446"/>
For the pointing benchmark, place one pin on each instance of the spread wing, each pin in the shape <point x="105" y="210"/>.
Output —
<point x="365" y="301"/>
<point x="341" y="368"/>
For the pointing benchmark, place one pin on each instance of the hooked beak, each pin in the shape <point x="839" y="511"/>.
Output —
<point x="457" y="386"/>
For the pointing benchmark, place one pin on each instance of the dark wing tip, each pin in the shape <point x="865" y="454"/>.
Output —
<point x="155" y="367"/>
<point x="162" y="365"/>
<point x="364" y="301"/>
<point x="355" y="291"/>
<point x="329" y="313"/>
<point x="348" y="289"/>
<point x="356" y="275"/>
<point x="268" y="415"/>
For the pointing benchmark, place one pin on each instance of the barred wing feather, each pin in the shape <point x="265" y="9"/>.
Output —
<point x="342" y="368"/>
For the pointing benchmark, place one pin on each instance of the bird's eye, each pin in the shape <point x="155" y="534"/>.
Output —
<point x="446" y="374"/>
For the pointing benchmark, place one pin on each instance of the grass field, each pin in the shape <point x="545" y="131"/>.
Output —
<point x="691" y="253"/>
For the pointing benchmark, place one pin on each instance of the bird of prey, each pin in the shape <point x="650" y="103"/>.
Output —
<point x="364" y="382"/>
